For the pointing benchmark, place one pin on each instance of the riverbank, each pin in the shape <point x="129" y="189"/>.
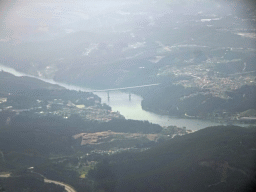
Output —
<point x="130" y="108"/>
<point x="233" y="119"/>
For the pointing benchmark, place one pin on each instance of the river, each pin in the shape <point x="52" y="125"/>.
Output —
<point x="119" y="101"/>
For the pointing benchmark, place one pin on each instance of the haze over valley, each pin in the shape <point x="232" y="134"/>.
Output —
<point x="127" y="95"/>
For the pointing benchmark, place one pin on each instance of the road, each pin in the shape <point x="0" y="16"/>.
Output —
<point x="5" y="175"/>
<point x="67" y="187"/>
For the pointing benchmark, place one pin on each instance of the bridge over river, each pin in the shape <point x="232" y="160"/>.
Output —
<point x="124" y="88"/>
<point x="129" y="109"/>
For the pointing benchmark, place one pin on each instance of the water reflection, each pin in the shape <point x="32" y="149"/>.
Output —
<point x="130" y="109"/>
<point x="119" y="101"/>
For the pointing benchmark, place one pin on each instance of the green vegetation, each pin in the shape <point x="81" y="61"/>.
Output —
<point x="47" y="145"/>
<point x="12" y="84"/>
<point x="45" y="142"/>
<point x="213" y="159"/>
<point x="248" y="113"/>
<point x="204" y="62"/>
<point x="169" y="99"/>
<point x="28" y="183"/>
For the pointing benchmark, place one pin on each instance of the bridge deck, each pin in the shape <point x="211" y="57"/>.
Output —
<point x="123" y="88"/>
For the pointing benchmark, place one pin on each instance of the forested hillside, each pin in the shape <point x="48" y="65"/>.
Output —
<point x="213" y="159"/>
<point x="177" y="100"/>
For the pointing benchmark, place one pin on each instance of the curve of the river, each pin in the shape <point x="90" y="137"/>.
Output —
<point x="130" y="109"/>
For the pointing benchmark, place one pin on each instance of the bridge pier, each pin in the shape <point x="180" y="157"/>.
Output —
<point x="108" y="96"/>
<point x="130" y="96"/>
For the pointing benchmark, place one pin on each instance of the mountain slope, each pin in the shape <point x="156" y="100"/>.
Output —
<point x="213" y="159"/>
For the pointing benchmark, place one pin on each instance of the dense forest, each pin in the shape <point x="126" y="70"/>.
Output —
<point x="213" y="159"/>
<point x="28" y="183"/>
<point x="41" y="136"/>
<point x="201" y="55"/>
<point x="177" y="100"/>
<point x="30" y="139"/>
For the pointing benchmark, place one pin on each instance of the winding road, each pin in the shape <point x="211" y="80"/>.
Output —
<point x="5" y="175"/>
<point x="68" y="188"/>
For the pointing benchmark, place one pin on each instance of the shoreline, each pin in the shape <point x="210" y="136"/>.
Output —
<point x="132" y="110"/>
<point x="223" y="121"/>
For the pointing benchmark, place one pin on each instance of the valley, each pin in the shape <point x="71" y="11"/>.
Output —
<point x="116" y="96"/>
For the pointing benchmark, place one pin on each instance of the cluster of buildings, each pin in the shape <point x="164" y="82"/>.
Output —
<point x="65" y="109"/>
<point x="95" y="112"/>
<point x="204" y="76"/>
<point x="116" y="150"/>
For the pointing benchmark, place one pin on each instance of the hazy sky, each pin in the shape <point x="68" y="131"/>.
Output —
<point x="25" y="17"/>
<point x="21" y="18"/>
